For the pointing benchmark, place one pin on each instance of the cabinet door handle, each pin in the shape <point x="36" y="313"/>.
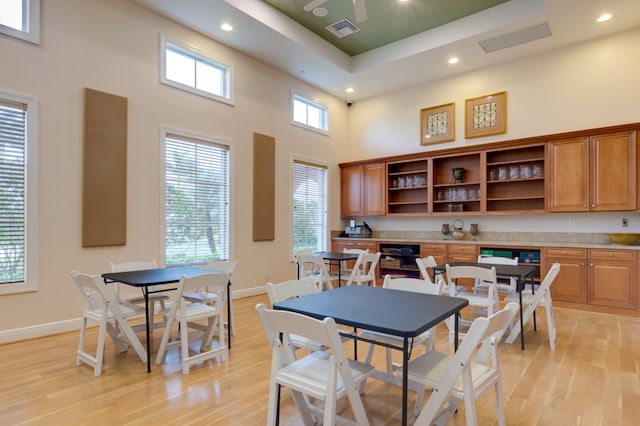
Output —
<point x="593" y="205"/>
<point x="584" y="206"/>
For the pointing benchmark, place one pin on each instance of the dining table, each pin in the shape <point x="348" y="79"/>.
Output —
<point x="398" y="313"/>
<point x="336" y="258"/>
<point x="144" y="279"/>
<point x="522" y="273"/>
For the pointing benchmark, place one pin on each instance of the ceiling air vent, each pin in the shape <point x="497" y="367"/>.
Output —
<point x="342" y="28"/>
<point x="515" y="38"/>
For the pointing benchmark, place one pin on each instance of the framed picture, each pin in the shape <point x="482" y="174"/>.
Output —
<point x="486" y="115"/>
<point x="437" y="124"/>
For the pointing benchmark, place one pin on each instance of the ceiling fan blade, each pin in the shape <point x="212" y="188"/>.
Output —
<point x="312" y="5"/>
<point x="360" y="10"/>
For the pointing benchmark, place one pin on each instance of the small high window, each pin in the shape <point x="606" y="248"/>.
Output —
<point x="308" y="113"/>
<point x="188" y="70"/>
<point x="21" y="19"/>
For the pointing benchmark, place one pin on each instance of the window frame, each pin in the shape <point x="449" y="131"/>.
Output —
<point x="196" y="138"/>
<point x="30" y="283"/>
<point x="228" y="71"/>
<point x="310" y="101"/>
<point x="31" y="14"/>
<point x="295" y="159"/>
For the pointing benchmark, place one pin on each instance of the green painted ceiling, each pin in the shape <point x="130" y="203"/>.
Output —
<point x="388" y="20"/>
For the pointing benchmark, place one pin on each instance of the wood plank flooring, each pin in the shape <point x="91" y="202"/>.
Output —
<point x="590" y="379"/>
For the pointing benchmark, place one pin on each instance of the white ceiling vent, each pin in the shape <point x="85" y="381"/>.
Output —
<point x="515" y="38"/>
<point x="342" y="28"/>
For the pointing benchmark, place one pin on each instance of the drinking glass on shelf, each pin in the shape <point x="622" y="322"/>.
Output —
<point x="514" y="172"/>
<point x="462" y="193"/>
<point x="537" y="170"/>
<point x="401" y="182"/>
<point x="525" y="171"/>
<point x="493" y="174"/>
<point x="502" y="173"/>
<point x="472" y="193"/>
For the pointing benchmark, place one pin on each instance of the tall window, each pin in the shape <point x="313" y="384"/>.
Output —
<point x="308" y="113"/>
<point x="18" y="193"/>
<point x="188" y="70"/>
<point x="309" y="201"/>
<point x="21" y="19"/>
<point x="196" y="199"/>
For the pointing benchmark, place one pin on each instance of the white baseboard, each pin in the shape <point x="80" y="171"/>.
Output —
<point x="41" y="330"/>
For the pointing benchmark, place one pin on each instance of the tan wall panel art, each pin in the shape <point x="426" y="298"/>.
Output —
<point x="104" y="189"/>
<point x="264" y="184"/>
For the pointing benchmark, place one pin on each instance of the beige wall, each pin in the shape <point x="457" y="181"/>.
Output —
<point x="588" y="85"/>
<point x="112" y="46"/>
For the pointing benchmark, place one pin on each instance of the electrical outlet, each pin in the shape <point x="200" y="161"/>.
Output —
<point x="572" y="223"/>
<point x="625" y="222"/>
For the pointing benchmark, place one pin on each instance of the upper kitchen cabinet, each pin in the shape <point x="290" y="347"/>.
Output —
<point x="407" y="185"/>
<point x="456" y="183"/>
<point x="515" y="179"/>
<point x="592" y="173"/>
<point x="362" y="190"/>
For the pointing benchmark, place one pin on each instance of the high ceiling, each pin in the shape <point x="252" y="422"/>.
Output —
<point x="386" y="55"/>
<point x="385" y="21"/>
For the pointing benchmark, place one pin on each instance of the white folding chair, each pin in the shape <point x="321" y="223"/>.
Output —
<point x="154" y="298"/>
<point x="208" y="297"/>
<point x="541" y="297"/>
<point x="426" y="339"/>
<point x="486" y="302"/>
<point x="290" y="290"/>
<point x="463" y="375"/>
<point x="326" y="376"/>
<point x="364" y="270"/>
<point x="101" y="306"/>
<point x="186" y="313"/>
<point x="497" y="260"/>
<point x="345" y="270"/>
<point x="423" y="264"/>
<point x="313" y="266"/>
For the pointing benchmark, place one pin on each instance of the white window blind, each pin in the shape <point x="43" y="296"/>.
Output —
<point x="197" y="200"/>
<point x="13" y="130"/>
<point x="309" y="201"/>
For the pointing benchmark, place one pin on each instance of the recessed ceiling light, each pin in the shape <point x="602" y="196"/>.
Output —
<point x="349" y="90"/>
<point x="604" y="17"/>
<point x="453" y="60"/>
<point x="226" y="27"/>
<point x="320" y="12"/>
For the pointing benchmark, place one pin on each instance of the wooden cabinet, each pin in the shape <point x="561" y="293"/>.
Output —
<point x="362" y="190"/>
<point x="451" y="252"/>
<point x="450" y="195"/>
<point x="600" y="277"/>
<point x="570" y="284"/>
<point x="594" y="173"/>
<point x="407" y="192"/>
<point x="515" y="179"/>
<point x="612" y="278"/>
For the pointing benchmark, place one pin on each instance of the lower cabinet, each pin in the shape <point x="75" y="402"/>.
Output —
<point x="595" y="277"/>
<point x="570" y="284"/>
<point x="449" y="253"/>
<point x="612" y="278"/>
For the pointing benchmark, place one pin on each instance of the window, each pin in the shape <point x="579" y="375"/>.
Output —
<point x="18" y="194"/>
<point x="21" y="19"/>
<point x="185" y="69"/>
<point x="196" y="199"/>
<point x="309" y="201"/>
<point x="310" y="114"/>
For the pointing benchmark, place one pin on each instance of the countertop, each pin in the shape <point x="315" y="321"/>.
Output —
<point x="506" y="239"/>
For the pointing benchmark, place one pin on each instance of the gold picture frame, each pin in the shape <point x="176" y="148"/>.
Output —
<point x="486" y="115"/>
<point x="437" y="124"/>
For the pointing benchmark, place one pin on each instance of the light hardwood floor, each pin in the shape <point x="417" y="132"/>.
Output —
<point x="590" y="379"/>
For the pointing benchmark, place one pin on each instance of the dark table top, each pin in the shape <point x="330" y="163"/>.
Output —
<point x="336" y="255"/>
<point x="400" y="313"/>
<point x="156" y="276"/>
